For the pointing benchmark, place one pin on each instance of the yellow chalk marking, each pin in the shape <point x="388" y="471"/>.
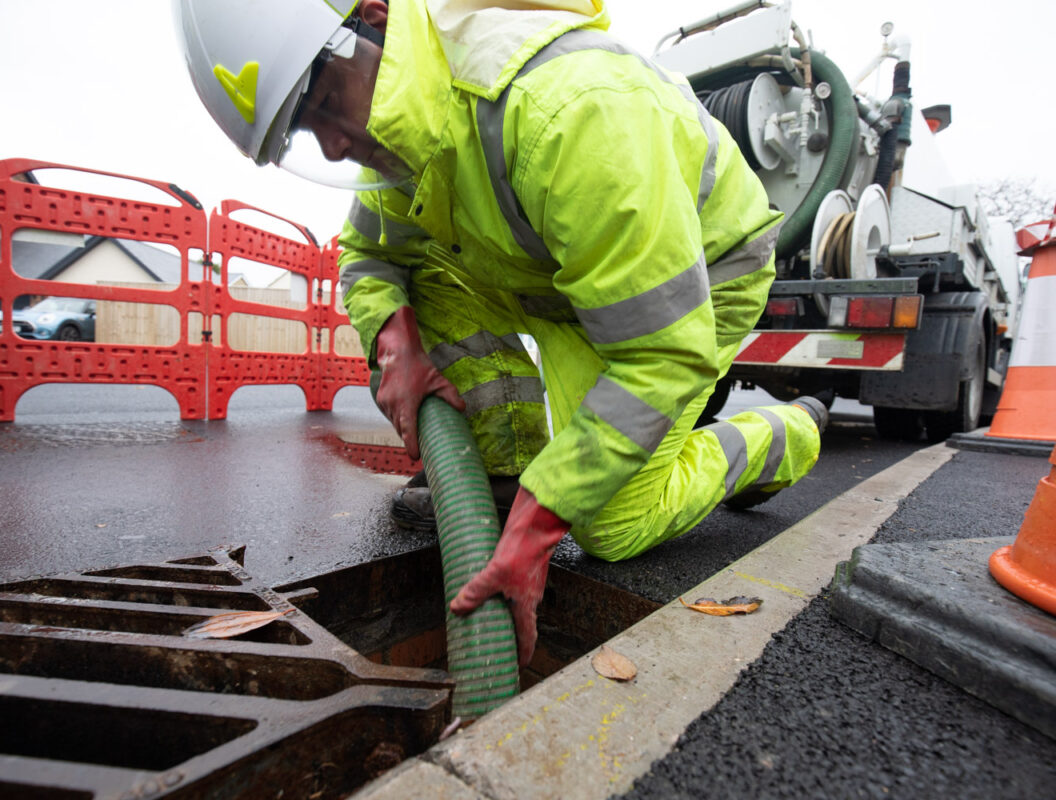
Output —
<point x="773" y="585"/>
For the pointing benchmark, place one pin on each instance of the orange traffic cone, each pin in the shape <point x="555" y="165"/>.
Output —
<point x="1027" y="409"/>
<point x="1027" y="568"/>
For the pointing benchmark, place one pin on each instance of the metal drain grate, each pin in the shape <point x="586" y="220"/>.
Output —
<point x="101" y="696"/>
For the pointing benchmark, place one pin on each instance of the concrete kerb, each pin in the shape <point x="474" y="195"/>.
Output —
<point x="578" y="735"/>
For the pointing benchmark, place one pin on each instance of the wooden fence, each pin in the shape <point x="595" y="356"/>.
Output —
<point x="159" y="324"/>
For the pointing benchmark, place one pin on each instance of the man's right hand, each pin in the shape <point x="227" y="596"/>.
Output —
<point x="517" y="569"/>
<point x="408" y="377"/>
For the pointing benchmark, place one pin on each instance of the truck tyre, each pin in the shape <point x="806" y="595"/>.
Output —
<point x="940" y="425"/>
<point x="898" y="424"/>
<point x="715" y="402"/>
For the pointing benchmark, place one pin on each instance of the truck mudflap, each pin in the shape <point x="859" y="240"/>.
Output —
<point x="882" y="352"/>
<point x="939" y="356"/>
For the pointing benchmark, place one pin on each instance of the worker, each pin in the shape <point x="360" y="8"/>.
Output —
<point x="519" y="171"/>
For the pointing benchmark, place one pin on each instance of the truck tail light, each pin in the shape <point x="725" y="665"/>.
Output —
<point x="784" y="307"/>
<point x="875" y="312"/>
<point x="907" y="311"/>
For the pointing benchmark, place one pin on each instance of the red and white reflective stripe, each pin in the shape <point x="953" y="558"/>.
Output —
<point x="1035" y="344"/>
<point x="1036" y="234"/>
<point x="828" y="349"/>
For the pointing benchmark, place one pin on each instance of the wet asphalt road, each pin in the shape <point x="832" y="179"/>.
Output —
<point x="101" y="475"/>
<point x="97" y="475"/>
<point x="826" y="713"/>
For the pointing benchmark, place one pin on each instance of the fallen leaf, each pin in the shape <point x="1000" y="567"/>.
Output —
<point x="724" y="608"/>
<point x="451" y="729"/>
<point x="610" y="664"/>
<point x="224" y="626"/>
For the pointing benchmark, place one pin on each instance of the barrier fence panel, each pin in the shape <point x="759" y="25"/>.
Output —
<point x="51" y="228"/>
<point x="106" y="252"/>
<point x="336" y="369"/>
<point x="232" y="364"/>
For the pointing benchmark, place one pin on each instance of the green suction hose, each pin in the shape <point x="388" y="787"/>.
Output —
<point x="481" y="647"/>
<point x="842" y="136"/>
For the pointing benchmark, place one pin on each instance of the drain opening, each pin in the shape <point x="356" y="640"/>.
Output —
<point x="392" y="611"/>
<point x="33" y="610"/>
<point x="155" y="665"/>
<point x="132" y="738"/>
<point x="8" y="789"/>
<point x="132" y="591"/>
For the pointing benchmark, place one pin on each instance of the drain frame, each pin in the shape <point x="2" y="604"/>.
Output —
<point x="347" y="684"/>
<point x="361" y="715"/>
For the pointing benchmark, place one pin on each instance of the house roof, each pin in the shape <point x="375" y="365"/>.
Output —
<point x="163" y="266"/>
<point x="42" y="261"/>
<point x="46" y="261"/>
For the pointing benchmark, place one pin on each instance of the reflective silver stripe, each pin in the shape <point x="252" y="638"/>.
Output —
<point x="490" y="116"/>
<point x="707" y="173"/>
<point x="744" y="260"/>
<point x="499" y="392"/>
<point x="368" y="223"/>
<point x="555" y="307"/>
<point x="489" y="122"/>
<point x="650" y="311"/>
<point x="630" y="415"/>
<point x="776" y="453"/>
<point x="372" y="268"/>
<point x="735" y="448"/>
<point x="479" y="345"/>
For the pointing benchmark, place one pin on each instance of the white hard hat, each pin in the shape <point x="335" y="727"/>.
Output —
<point x="250" y="62"/>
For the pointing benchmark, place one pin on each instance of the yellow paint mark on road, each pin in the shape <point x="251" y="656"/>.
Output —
<point x="598" y="741"/>
<point x="537" y="718"/>
<point x="773" y="585"/>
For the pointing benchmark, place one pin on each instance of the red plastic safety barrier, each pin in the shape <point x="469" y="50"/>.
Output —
<point x="319" y="374"/>
<point x="201" y="376"/>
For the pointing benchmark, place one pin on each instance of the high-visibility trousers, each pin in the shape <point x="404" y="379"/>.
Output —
<point x="472" y="338"/>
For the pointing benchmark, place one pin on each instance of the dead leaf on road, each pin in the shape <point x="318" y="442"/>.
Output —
<point x="724" y="608"/>
<point x="224" y="626"/>
<point x="610" y="664"/>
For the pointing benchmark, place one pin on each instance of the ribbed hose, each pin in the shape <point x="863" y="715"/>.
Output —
<point x="885" y="164"/>
<point x="842" y="136"/>
<point x="481" y="647"/>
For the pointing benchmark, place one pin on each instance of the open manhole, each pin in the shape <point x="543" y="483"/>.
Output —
<point x="102" y="695"/>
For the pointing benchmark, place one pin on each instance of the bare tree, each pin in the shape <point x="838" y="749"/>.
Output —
<point x="1020" y="200"/>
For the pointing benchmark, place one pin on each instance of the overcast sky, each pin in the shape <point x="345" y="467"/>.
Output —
<point x="101" y="84"/>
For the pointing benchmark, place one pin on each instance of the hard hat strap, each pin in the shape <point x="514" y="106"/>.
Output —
<point x="366" y="30"/>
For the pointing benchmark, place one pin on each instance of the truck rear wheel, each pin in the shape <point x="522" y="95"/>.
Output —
<point x="941" y="425"/>
<point x="899" y="424"/>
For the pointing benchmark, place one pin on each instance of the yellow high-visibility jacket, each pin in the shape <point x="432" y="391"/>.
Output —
<point x="559" y="165"/>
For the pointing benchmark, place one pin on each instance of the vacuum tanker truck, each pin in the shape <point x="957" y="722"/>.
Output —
<point x="902" y="298"/>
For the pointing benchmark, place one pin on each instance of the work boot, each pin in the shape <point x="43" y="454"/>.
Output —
<point x="753" y="497"/>
<point x="818" y="410"/>
<point x="412" y="506"/>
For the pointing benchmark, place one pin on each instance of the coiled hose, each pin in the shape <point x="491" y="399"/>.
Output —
<point x="481" y="647"/>
<point x="842" y="137"/>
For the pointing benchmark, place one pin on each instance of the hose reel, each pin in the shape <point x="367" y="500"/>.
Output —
<point x="846" y="240"/>
<point x="745" y="108"/>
